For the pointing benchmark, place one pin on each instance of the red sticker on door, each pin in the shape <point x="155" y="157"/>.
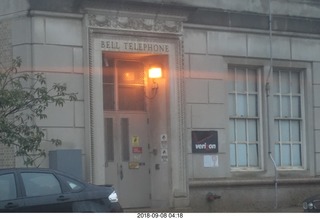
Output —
<point x="137" y="150"/>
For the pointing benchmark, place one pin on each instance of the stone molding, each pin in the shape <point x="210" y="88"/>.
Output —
<point x="145" y="24"/>
<point x="104" y="28"/>
<point x="251" y="182"/>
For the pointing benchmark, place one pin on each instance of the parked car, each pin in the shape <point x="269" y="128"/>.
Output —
<point x="47" y="190"/>
<point x="312" y="204"/>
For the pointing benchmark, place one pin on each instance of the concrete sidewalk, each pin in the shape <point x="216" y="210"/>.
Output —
<point x="291" y="209"/>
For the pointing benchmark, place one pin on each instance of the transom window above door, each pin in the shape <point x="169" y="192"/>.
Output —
<point x="123" y="85"/>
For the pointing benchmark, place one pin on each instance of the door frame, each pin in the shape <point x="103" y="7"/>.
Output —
<point x="178" y="192"/>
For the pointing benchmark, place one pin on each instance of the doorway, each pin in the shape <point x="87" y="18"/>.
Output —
<point x="126" y="124"/>
<point x="126" y="138"/>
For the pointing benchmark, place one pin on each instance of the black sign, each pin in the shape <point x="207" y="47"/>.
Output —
<point x="204" y="141"/>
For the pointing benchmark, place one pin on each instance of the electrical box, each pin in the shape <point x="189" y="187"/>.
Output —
<point x="68" y="161"/>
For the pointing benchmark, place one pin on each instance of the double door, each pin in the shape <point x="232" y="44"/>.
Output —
<point x="127" y="158"/>
<point x="126" y="130"/>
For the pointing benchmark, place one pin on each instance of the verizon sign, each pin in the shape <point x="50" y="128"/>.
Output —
<point x="204" y="141"/>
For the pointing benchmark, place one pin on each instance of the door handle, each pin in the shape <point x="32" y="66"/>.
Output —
<point x="121" y="172"/>
<point x="11" y="205"/>
<point x="62" y="198"/>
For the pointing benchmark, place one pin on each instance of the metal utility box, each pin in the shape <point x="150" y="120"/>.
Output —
<point x="68" y="161"/>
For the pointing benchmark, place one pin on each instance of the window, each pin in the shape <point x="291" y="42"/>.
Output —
<point x="288" y="117"/>
<point x="73" y="185"/>
<point x="39" y="184"/>
<point x="109" y="144"/>
<point x="125" y="139"/>
<point x="245" y="124"/>
<point x="244" y="121"/>
<point x="7" y="187"/>
<point x="123" y="85"/>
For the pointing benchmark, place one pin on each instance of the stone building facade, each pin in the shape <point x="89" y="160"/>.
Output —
<point x="231" y="125"/>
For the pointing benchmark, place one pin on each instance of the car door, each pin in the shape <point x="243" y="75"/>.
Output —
<point x="10" y="200"/>
<point x="84" y="201"/>
<point x="44" y="193"/>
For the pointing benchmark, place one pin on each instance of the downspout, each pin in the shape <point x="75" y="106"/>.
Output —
<point x="268" y="88"/>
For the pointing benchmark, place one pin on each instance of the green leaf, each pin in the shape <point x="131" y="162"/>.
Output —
<point x="24" y="98"/>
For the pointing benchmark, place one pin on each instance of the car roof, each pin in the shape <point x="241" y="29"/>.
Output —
<point x="26" y="169"/>
<point x="31" y="169"/>
<point x="44" y="170"/>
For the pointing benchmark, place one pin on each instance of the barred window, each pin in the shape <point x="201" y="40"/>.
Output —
<point x="123" y="85"/>
<point x="244" y="122"/>
<point x="288" y="117"/>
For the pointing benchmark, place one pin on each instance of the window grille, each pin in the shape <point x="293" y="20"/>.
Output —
<point x="244" y="121"/>
<point x="288" y="117"/>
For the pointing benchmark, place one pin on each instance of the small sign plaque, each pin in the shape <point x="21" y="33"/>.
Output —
<point x="137" y="150"/>
<point x="204" y="141"/>
<point x="134" y="165"/>
<point x="135" y="141"/>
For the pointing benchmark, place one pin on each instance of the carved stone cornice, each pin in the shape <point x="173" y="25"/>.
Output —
<point x="134" y="23"/>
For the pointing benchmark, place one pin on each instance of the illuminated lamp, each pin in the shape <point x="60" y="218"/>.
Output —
<point x="155" y="72"/>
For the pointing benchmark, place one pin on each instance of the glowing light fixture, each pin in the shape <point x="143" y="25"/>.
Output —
<point x="155" y="72"/>
<point x="129" y="76"/>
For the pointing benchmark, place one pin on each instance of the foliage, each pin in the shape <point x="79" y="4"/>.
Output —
<point x="24" y="97"/>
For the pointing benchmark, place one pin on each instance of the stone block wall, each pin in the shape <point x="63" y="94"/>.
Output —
<point x="53" y="45"/>
<point x="6" y="154"/>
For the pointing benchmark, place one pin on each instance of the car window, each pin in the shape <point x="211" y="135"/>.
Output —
<point x="7" y="187"/>
<point x="39" y="184"/>
<point x="74" y="185"/>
